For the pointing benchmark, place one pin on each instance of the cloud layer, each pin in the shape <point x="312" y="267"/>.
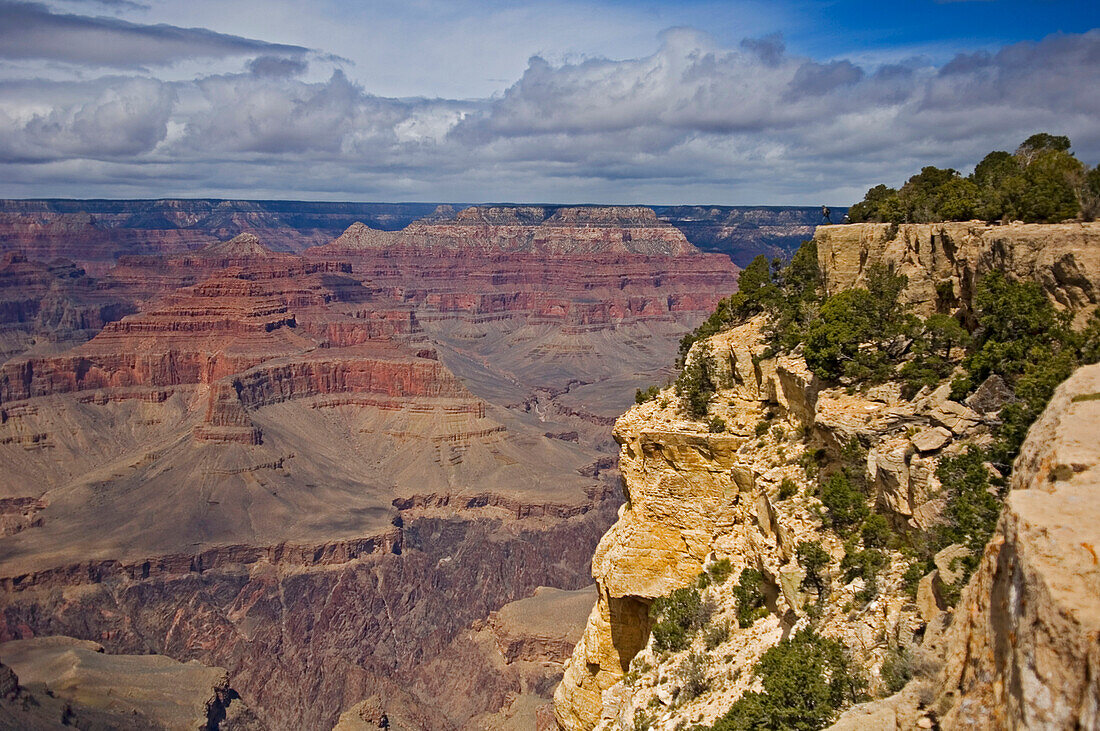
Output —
<point x="695" y="121"/>
<point x="30" y="30"/>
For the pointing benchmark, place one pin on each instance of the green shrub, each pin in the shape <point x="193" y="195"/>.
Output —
<point x="718" y="571"/>
<point x="788" y="488"/>
<point x="696" y="385"/>
<point x="750" y="600"/>
<point x="640" y="396"/>
<point x="814" y="560"/>
<point x="973" y="506"/>
<point x="677" y="617"/>
<point x="911" y="578"/>
<point x="846" y="506"/>
<point x="866" y="565"/>
<point x="876" y="532"/>
<point x="853" y="331"/>
<point x="716" y="425"/>
<point x="715" y="634"/>
<point x="897" y="668"/>
<point x="807" y="679"/>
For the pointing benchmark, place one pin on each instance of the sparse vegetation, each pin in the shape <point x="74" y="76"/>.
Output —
<point x="716" y="573"/>
<point x="677" y="617"/>
<point x="897" y="668"/>
<point x="788" y="488"/>
<point x="876" y="532"/>
<point x="693" y="675"/>
<point x="716" y="425"/>
<point x="807" y="679"/>
<point x="696" y="385"/>
<point x="845" y="505"/>
<point x="641" y="396"/>
<point x="715" y="634"/>
<point x="814" y="560"/>
<point x="865" y="564"/>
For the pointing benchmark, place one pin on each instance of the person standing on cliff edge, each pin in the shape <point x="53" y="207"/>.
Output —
<point x="825" y="214"/>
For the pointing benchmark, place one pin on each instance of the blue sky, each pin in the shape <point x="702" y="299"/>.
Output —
<point x="561" y="100"/>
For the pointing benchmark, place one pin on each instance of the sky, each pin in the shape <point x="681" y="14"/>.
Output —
<point x="787" y="102"/>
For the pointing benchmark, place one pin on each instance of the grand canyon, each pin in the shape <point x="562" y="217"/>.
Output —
<point x="322" y="470"/>
<point x="573" y="365"/>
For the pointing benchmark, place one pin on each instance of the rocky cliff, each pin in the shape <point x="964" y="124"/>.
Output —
<point x="1024" y="649"/>
<point x="943" y="260"/>
<point x="740" y="485"/>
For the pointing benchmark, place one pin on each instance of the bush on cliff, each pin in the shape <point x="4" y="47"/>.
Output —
<point x="755" y="292"/>
<point x="696" y="386"/>
<point x="750" y="600"/>
<point x="807" y="679"/>
<point x="1040" y="182"/>
<point x="677" y="617"/>
<point x="814" y="560"/>
<point x="856" y="330"/>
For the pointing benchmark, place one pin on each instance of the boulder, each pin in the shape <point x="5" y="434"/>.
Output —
<point x="956" y="417"/>
<point x="931" y="439"/>
<point x="990" y="396"/>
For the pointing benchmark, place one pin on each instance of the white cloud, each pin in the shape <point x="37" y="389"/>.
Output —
<point x="694" y="121"/>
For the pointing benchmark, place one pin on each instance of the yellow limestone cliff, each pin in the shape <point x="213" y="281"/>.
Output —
<point x="694" y="496"/>
<point x="1064" y="258"/>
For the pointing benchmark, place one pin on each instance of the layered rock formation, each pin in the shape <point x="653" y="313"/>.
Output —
<point x="97" y="232"/>
<point x="275" y="468"/>
<point x="52" y="306"/>
<point x="745" y="232"/>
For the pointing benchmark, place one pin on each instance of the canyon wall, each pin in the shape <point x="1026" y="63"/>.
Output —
<point x="1023" y="650"/>
<point x="324" y="473"/>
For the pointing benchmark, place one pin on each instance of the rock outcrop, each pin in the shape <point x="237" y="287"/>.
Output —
<point x="1020" y="651"/>
<point x="944" y="260"/>
<point x="56" y="682"/>
<point x="1024" y="649"/>
<point x="695" y="496"/>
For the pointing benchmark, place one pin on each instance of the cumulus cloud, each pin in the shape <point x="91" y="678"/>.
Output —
<point x="694" y="121"/>
<point x="111" y="118"/>
<point x="29" y="30"/>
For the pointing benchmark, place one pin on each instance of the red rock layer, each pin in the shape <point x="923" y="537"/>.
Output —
<point x="55" y="302"/>
<point x="574" y="267"/>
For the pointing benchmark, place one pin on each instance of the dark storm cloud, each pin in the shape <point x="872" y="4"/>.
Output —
<point x="32" y="31"/>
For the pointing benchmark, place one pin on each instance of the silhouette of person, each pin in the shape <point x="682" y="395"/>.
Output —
<point x="825" y="214"/>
